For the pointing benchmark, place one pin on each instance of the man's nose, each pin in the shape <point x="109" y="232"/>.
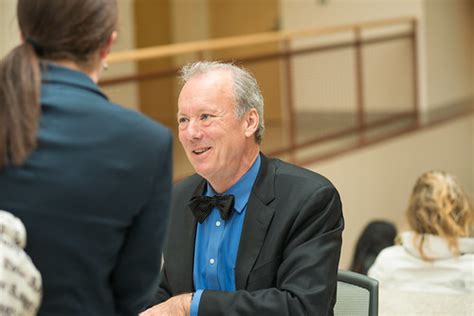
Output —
<point x="194" y="130"/>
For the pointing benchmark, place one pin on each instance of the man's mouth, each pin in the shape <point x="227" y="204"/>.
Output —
<point x="201" y="151"/>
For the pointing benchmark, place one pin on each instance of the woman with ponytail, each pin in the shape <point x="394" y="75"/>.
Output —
<point x="89" y="179"/>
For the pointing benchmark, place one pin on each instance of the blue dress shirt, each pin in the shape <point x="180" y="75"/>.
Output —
<point x="216" y="244"/>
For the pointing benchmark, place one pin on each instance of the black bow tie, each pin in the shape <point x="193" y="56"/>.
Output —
<point x="202" y="206"/>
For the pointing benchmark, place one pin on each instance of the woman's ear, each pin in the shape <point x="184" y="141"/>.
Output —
<point x="251" y="122"/>
<point x="105" y="49"/>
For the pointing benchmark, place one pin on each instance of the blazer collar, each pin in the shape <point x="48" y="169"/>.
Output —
<point x="53" y="73"/>
<point x="257" y="220"/>
<point x="263" y="186"/>
<point x="199" y="191"/>
<point x="186" y="253"/>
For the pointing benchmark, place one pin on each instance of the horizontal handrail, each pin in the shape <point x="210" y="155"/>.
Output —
<point x="244" y="40"/>
<point x="173" y="70"/>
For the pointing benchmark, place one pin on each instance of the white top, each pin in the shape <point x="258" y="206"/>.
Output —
<point x="401" y="267"/>
<point x="404" y="303"/>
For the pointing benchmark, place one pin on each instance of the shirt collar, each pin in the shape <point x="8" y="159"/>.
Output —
<point x="242" y="188"/>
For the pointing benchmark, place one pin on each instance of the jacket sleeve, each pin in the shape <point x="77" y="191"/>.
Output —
<point x="135" y="277"/>
<point x="307" y="275"/>
<point x="163" y="293"/>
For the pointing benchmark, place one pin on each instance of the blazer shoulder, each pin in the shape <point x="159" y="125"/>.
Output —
<point x="299" y="176"/>
<point x="138" y="122"/>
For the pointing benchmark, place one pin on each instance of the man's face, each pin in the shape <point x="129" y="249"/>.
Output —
<point x="212" y="135"/>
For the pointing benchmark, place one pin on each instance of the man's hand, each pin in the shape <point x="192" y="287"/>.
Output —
<point x="176" y="306"/>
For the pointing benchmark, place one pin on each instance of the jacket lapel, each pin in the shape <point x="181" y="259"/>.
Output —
<point x="257" y="220"/>
<point x="187" y="260"/>
<point x="185" y="241"/>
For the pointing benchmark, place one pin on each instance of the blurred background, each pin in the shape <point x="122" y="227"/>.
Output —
<point x="369" y="93"/>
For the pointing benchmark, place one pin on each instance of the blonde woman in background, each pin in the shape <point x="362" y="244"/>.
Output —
<point x="437" y="255"/>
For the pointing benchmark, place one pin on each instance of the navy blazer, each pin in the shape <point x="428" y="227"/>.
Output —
<point x="94" y="197"/>
<point x="288" y="253"/>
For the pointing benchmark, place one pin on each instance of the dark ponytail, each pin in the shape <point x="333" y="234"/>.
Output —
<point x="20" y="81"/>
<point x="53" y="30"/>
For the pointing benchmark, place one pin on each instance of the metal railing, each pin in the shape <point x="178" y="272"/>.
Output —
<point x="356" y="39"/>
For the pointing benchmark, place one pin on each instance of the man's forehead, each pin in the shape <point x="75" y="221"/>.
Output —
<point x="216" y="77"/>
<point x="207" y="88"/>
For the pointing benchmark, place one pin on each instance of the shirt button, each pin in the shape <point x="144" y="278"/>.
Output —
<point x="218" y="223"/>
<point x="211" y="261"/>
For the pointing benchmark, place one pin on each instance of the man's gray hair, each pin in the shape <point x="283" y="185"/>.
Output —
<point x="246" y="91"/>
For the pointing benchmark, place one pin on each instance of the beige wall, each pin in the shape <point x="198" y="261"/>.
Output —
<point x="326" y="82"/>
<point x="125" y="94"/>
<point x="449" y="36"/>
<point x="446" y="33"/>
<point x="297" y="14"/>
<point x="375" y="182"/>
<point x="9" y="33"/>
<point x="190" y="20"/>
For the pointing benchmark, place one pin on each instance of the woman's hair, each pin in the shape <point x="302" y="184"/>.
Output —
<point x="376" y="236"/>
<point x="72" y="30"/>
<point x="438" y="206"/>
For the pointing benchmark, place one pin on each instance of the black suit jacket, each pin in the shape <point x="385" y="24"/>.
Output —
<point x="289" y="248"/>
<point x="94" y="197"/>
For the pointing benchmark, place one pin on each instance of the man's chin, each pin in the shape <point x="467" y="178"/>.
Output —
<point x="202" y="169"/>
<point x="203" y="173"/>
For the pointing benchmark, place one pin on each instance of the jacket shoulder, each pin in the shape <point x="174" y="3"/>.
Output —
<point x="299" y="176"/>
<point x="138" y="122"/>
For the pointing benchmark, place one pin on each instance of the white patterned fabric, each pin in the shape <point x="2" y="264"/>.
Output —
<point x="20" y="281"/>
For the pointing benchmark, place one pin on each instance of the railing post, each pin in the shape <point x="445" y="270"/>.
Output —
<point x="289" y="99"/>
<point x="416" y="86"/>
<point x="359" y="68"/>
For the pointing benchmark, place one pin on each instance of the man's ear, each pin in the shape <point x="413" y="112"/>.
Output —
<point x="105" y="49"/>
<point x="251" y="122"/>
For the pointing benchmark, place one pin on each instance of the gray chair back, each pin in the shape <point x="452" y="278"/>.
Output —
<point x="357" y="294"/>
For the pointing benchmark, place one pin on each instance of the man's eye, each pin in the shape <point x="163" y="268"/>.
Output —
<point x="182" y="120"/>
<point x="205" y="116"/>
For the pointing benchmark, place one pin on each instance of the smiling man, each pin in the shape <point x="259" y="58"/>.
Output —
<point x="248" y="235"/>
